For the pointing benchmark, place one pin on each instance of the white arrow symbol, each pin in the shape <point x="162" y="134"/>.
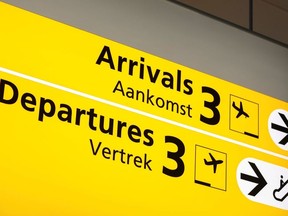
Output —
<point x="280" y="128"/>
<point x="259" y="179"/>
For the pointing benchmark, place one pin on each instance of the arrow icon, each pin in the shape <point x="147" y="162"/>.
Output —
<point x="261" y="182"/>
<point x="280" y="128"/>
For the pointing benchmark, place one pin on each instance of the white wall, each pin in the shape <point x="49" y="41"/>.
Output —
<point x="181" y="35"/>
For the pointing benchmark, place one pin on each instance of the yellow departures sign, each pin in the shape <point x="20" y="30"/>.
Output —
<point x="92" y="127"/>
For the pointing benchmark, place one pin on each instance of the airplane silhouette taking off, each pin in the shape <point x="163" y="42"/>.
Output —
<point x="240" y="110"/>
<point x="213" y="162"/>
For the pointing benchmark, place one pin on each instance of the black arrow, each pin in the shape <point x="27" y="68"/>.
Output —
<point x="280" y="128"/>
<point x="261" y="182"/>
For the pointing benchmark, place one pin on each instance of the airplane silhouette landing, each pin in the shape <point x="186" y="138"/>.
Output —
<point x="213" y="162"/>
<point x="240" y="110"/>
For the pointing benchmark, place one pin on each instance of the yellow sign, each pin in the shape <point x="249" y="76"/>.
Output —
<point x="93" y="127"/>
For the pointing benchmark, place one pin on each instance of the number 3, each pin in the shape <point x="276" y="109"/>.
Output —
<point x="212" y="106"/>
<point x="176" y="156"/>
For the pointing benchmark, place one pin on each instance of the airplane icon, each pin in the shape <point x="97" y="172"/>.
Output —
<point x="213" y="162"/>
<point x="240" y="110"/>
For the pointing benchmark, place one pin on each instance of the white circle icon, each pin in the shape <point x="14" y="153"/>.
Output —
<point x="278" y="128"/>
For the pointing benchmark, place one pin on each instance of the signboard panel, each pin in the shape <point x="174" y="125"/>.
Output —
<point x="93" y="127"/>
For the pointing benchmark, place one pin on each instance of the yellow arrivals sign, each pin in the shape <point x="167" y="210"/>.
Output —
<point x="92" y="127"/>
